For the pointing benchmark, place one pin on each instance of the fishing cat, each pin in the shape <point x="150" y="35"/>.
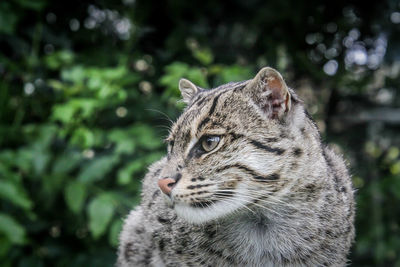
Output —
<point x="246" y="182"/>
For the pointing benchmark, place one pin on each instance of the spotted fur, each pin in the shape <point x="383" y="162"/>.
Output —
<point x="269" y="194"/>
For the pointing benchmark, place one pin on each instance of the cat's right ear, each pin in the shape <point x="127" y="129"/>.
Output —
<point x="188" y="90"/>
<point x="270" y="92"/>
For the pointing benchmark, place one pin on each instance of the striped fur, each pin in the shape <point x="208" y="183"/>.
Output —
<point x="269" y="193"/>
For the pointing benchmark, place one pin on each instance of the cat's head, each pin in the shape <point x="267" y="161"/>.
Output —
<point x="235" y="147"/>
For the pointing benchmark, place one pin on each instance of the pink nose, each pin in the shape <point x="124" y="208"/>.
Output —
<point x="166" y="185"/>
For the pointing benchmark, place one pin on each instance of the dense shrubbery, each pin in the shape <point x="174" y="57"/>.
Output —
<point x="87" y="91"/>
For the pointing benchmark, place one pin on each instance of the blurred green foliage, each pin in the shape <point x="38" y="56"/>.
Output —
<point x="87" y="90"/>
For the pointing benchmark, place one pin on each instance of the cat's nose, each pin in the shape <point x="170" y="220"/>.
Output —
<point x="166" y="185"/>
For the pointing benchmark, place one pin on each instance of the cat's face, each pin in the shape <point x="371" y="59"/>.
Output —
<point x="226" y="151"/>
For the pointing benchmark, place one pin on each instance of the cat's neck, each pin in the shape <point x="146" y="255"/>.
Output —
<point x="254" y="236"/>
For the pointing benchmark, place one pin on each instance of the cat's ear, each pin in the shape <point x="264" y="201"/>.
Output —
<point x="270" y="92"/>
<point x="188" y="90"/>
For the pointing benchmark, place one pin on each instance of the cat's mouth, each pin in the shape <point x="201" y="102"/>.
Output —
<point x="198" y="203"/>
<point x="214" y="207"/>
<point x="207" y="203"/>
<point x="202" y="204"/>
<point x="204" y="211"/>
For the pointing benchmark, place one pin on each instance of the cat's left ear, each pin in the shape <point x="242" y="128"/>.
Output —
<point x="270" y="92"/>
<point x="188" y="90"/>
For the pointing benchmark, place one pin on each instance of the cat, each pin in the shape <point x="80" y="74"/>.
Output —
<point x="246" y="182"/>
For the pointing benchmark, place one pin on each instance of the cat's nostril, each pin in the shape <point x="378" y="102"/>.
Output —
<point x="171" y="185"/>
<point x="166" y="185"/>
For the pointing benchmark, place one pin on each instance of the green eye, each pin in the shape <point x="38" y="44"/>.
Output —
<point x="209" y="143"/>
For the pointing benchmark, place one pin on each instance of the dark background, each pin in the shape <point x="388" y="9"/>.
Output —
<point x="87" y="89"/>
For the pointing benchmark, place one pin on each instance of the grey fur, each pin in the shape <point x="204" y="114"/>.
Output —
<point x="272" y="193"/>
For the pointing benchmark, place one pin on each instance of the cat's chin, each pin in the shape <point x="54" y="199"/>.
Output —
<point x="200" y="215"/>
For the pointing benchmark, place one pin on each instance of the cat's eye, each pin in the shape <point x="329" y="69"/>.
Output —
<point x="209" y="143"/>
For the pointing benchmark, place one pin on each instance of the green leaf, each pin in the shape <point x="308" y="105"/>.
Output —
<point x="83" y="137"/>
<point x="35" y="5"/>
<point x="12" y="229"/>
<point x="11" y="176"/>
<point x="97" y="169"/>
<point x="112" y="74"/>
<point x="234" y="73"/>
<point x="100" y="211"/>
<point x="66" y="162"/>
<point x="63" y="113"/>
<point x="204" y="55"/>
<point x="7" y="157"/>
<point x="115" y="230"/>
<point x="59" y="59"/>
<point x="15" y="194"/>
<point x="125" y="175"/>
<point x="152" y="157"/>
<point x="82" y="108"/>
<point x="8" y="18"/>
<point x="178" y="70"/>
<point x="75" y="194"/>
<point x="24" y="159"/>
<point x="125" y="144"/>
<point x="75" y="74"/>
<point x="40" y="160"/>
<point x="5" y="246"/>
<point x="395" y="168"/>
<point x="145" y="137"/>
<point x="37" y="154"/>
<point x="45" y="135"/>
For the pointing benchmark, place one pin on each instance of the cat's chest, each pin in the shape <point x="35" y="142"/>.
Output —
<point x="227" y="244"/>
<point x="237" y="241"/>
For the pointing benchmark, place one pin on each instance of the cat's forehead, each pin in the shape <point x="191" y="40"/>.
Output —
<point x="205" y="96"/>
<point x="201" y="105"/>
<point x="232" y="85"/>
